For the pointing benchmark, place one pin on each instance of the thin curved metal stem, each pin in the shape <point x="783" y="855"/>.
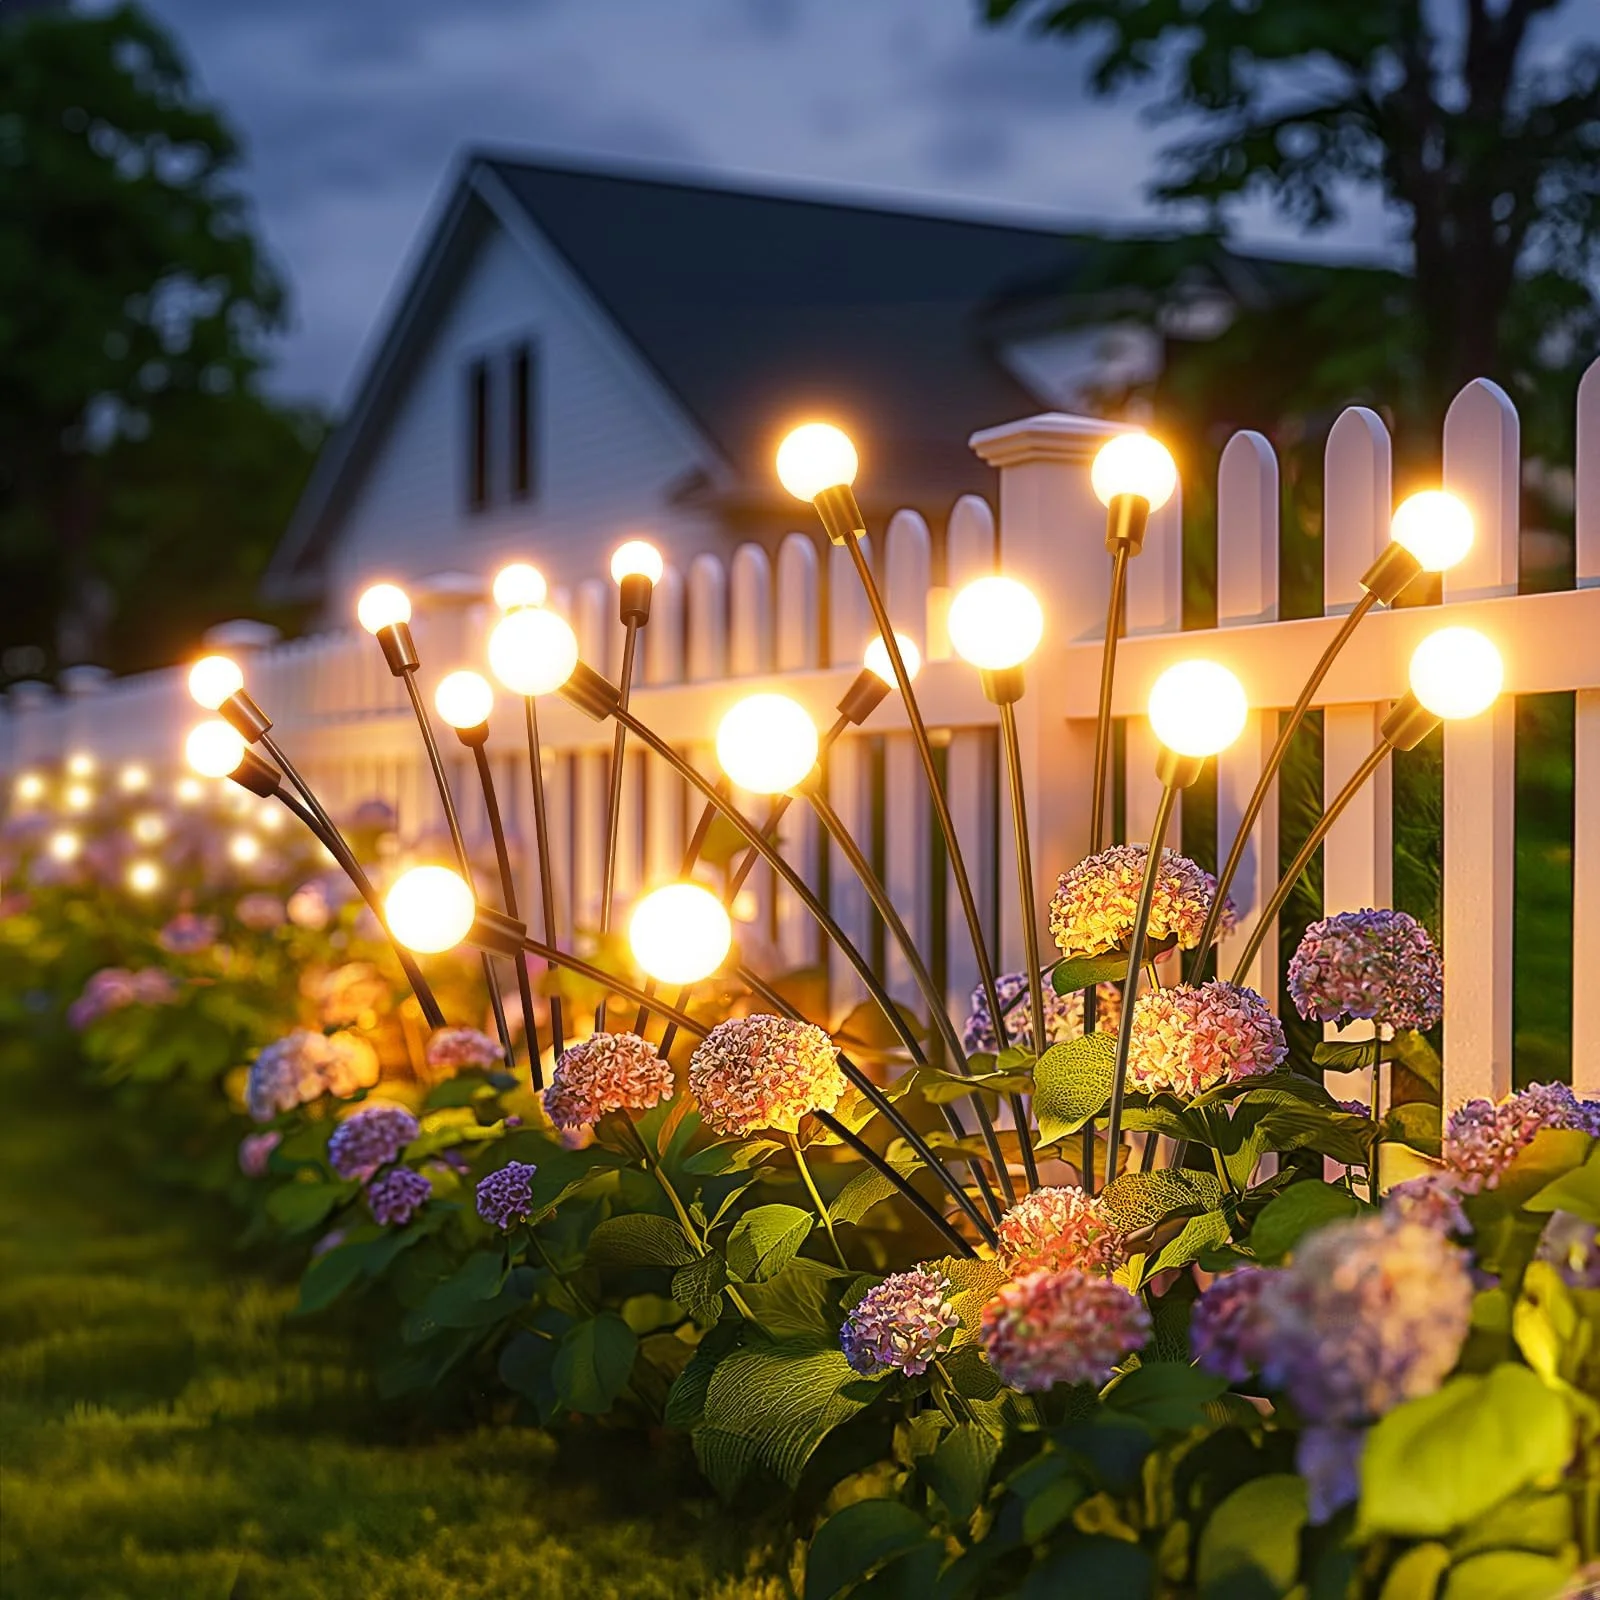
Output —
<point x="619" y="742"/>
<point x="941" y="806"/>
<point x="1108" y="675"/>
<point x="508" y="896"/>
<point x="892" y="920"/>
<point x="1303" y="856"/>
<point x="547" y="888"/>
<point x="1030" y="928"/>
<point x="1130" y="986"/>
<point x="1269" y="770"/>
<point x="453" y="822"/>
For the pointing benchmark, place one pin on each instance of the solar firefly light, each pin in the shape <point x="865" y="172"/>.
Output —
<point x="29" y="789"/>
<point x="1430" y="532"/>
<point x="1455" y="673"/>
<point x="1196" y="709"/>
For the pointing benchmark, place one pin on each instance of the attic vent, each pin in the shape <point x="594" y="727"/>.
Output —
<point x="502" y="411"/>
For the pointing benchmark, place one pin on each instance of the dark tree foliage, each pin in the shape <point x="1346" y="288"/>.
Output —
<point x="142" y="478"/>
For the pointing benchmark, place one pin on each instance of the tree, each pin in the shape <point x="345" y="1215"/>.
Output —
<point x="141" y="474"/>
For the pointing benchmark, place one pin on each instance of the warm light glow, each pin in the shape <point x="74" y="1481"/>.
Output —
<point x="1136" y="464"/>
<point x="680" y="933"/>
<point x="80" y="765"/>
<point x="29" y="789"/>
<point x="637" y="559"/>
<point x="767" y="743"/>
<point x="189" y="791"/>
<point x="214" y="749"/>
<point x="383" y="605"/>
<point x="532" y="651"/>
<point x="519" y="585"/>
<point x="149" y="827"/>
<point x="1435" y="527"/>
<point x="877" y="657"/>
<point x="429" y="909"/>
<point x="464" y="699"/>
<point x="268" y="816"/>
<point x="1198" y="708"/>
<point x="244" y="849"/>
<point x="1456" y="672"/>
<point x="212" y="679"/>
<point x="816" y="456"/>
<point x="133" y="779"/>
<point x="995" y="623"/>
<point x="746" y="907"/>
<point x="79" y="797"/>
<point x="64" y="845"/>
<point x="144" y="877"/>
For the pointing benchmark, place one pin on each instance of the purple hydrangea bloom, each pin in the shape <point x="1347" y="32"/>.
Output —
<point x="505" y="1198"/>
<point x="1329" y="1459"/>
<point x="396" y="1197"/>
<point x="1063" y="1014"/>
<point x="112" y="988"/>
<point x="1368" y="964"/>
<point x="1230" y="1329"/>
<point x="1482" y="1138"/>
<point x="451" y="1049"/>
<point x="901" y="1325"/>
<point x="188" y="934"/>
<point x="255" y="1149"/>
<point x="1433" y="1200"/>
<point x="370" y="1138"/>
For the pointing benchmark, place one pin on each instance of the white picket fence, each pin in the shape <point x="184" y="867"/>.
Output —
<point x="720" y="631"/>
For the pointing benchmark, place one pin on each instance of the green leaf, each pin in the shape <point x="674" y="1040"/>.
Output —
<point x="854" y="1541"/>
<point x="939" y="1088"/>
<point x="1301" y="1209"/>
<point x="331" y="1273"/>
<point x="1208" y="1231"/>
<point x="1137" y="1199"/>
<point x="1507" y="1575"/>
<point x="802" y="1301"/>
<point x="299" y="1207"/>
<point x="1549" y="1329"/>
<point x="457" y="1301"/>
<point x="1416" y="1575"/>
<point x="1343" y="1135"/>
<point x="972" y="1285"/>
<point x="698" y="1287"/>
<point x="1079" y="972"/>
<point x="958" y="1468"/>
<point x="1416" y="1123"/>
<point x="1434" y="1464"/>
<point x="1165" y="1394"/>
<point x="764" y="1240"/>
<point x="736" y="1155"/>
<point x="1072" y="1083"/>
<point x="1551" y="1153"/>
<point x="1412" y="1050"/>
<point x="867" y="1031"/>
<point x="1094" y="1565"/>
<point x="526" y="1367"/>
<point x="1346" y="1055"/>
<point x="1251" y="1544"/>
<point x="593" y="1362"/>
<point x="864" y="1191"/>
<point x="1577" y="1191"/>
<point x="638" y="1239"/>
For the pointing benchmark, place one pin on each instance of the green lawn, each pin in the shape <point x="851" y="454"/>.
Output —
<point x="165" y="1434"/>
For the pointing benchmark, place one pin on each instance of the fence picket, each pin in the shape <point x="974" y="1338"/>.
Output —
<point x="849" y="768"/>
<point x="797" y="648"/>
<point x="1586" y="765"/>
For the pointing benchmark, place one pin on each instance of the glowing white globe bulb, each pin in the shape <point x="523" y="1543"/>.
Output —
<point x="816" y="456"/>
<point x="214" y="749"/>
<point x="767" y="743"/>
<point x="1136" y="464"/>
<point x="212" y="679"/>
<point x="636" y="559"/>
<point x="64" y="845"/>
<point x="519" y="585"/>
<point x="1435" y="527"/>
<point x="429" y="909"/>
<point x="382" y="606"/>
<point x="680" y="933"/>
<point x="144" y="877"/>
<point x="464" y="699"/>
<point x="532" y="651"/>
<point x="877" y="660"/>
<point x="29" y="789"/>
<point x="79" y="797"/>
<point x="80" y="765"/>
<point x="1456" y="672"/>
<point x="995" y="623"/>
<point x="1198" y="708"/>
<point x="133" y="779"/>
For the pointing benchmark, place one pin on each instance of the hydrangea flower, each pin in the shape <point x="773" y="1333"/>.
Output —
<point x="260" y="912"/>
<point x="452" y="1050"/>
<point x="397" y="1196"/>
<point x="302" y="1066"/>
<point x="902" y="1324"/>
<point x="764" y="1072"/>
<point x="255" y="1149"/>
<point x="112" y="988"/>
<point x="1063" y="1014"/>
<point x="188" y="933"/>
<point x="1572" y="1247"/>
<point x="1370" y="1313"/>
<point x="1230" y="1329"/>
<point x="1368" y="964"/>
<point x="1329" y="1459"/>
<point x="1482" y="1139"/>
<point x="1189" y="1039"/>
<point x="1053" y="1229"/>
<point x="309" y="908"/>
<point x="1432" y="1201"/>
<point x="369" y="1138"/>
<point x="606" y="1072"/>
<point x="350" y="994"/>
<point x="1047" y="1328"/>
<point x="505" y="1198"/>
<point x="1093" y="908"/>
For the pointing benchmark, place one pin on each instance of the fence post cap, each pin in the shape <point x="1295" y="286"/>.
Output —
<point x="241" y="633"/>
<point x="1051" y="436"/>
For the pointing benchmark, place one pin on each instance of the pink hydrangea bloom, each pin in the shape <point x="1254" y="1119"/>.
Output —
<point x="354" y="993"/>
<point x="1093" y="908"/>
<point x="1482" y="1139"/>
<point x="396" y="1197"/>
<point x="260" y="912"/>
<point x="606" y="1072"/>
<point x="1373" y="964"/>
<point x="454" y="1049"/>
<point x="1433" y="1201"/>
<point x="902" y="1324"/>
<point x="1187" y="1040"/>
<point x="303" y="1066"/>
<point x="309" y="907"/>
<point x="369" y="1138"/>
<point x="764" y="1072"/>
<point x="1047" y="1328"/>
<point x="1053" y="1229"/>
<point x="1230" y="1331"/>
<point x="112" y="988"/>
<point x="187" y="934"/>
<point x="1063" y="1014"/>
<point x="255" y="1149"/>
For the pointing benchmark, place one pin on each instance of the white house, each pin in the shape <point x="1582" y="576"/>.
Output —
<point x="580" y="355"/>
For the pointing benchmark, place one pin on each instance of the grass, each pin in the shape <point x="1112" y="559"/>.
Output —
<point x="166" y="1435"/>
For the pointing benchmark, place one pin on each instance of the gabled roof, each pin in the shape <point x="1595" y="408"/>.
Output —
<point x="754" y="309"/>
